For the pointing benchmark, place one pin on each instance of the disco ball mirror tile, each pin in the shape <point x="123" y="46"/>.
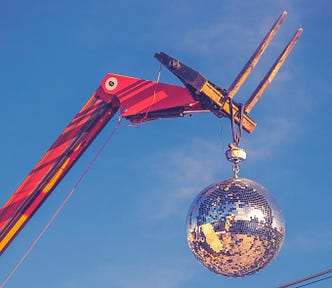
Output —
<point x="235" y="227"/>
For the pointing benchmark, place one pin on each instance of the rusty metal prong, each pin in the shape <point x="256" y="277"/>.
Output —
<point x="246" y="70"/>
<point x="271" y="73"/>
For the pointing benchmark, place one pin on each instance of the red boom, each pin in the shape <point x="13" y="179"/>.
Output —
<point x="133" y="95"/>
<point x="56" y="162"/>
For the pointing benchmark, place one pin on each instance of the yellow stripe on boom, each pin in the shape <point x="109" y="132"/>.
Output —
<point x="12" y="231"/>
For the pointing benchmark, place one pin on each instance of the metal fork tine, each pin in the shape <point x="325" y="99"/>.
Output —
<point x="246" y="70"/>
<point x="271" y="73"/>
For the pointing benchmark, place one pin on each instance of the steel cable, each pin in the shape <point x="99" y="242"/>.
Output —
<point x="55" y="214"/>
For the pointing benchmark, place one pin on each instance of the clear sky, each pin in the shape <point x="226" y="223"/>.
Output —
<point x="125" y="225"/>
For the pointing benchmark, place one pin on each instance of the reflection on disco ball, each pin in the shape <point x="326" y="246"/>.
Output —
<point x="235" y="227"/>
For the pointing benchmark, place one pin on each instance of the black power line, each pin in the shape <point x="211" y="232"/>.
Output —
<point x="309" y="278"/>
<point x="325" y="278"/>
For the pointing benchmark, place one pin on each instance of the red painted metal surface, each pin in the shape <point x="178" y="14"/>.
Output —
<point x="131" y="95"/>
<point x="53" y="166"/>
<point x="138" y="96"/>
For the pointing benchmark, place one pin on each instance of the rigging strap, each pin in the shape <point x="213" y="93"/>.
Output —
<point x="237" y="134"/>
<point x="236" y="154"/>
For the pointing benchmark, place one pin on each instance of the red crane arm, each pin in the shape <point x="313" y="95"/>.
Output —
<point x="131" y="95"/>
<point x="144" y="100"/>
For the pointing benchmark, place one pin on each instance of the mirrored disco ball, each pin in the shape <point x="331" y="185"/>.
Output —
<point x="235" y="227"/>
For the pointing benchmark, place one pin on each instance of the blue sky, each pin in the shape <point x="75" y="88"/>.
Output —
<point x="125" y="225"/>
